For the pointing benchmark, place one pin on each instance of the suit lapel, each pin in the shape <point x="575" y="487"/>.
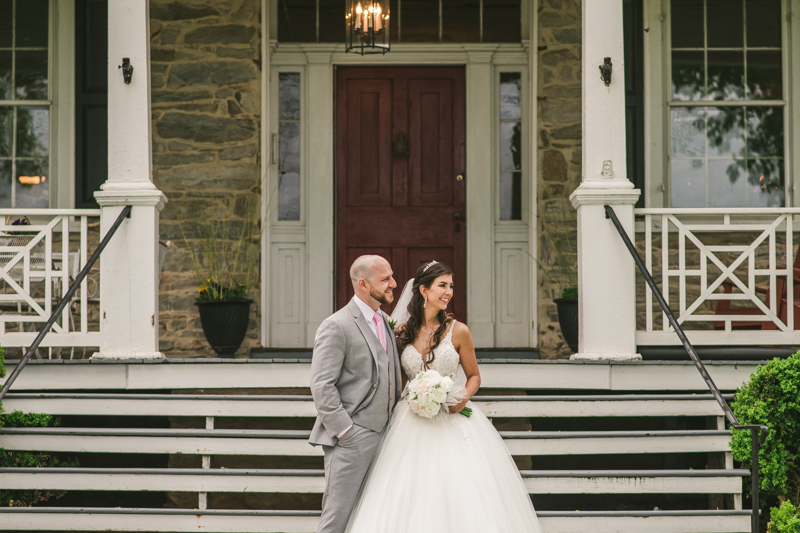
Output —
<point x="364" y="328"/>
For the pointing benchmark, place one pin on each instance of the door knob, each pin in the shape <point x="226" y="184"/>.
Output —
<point x="457" y="216"/>
<point x="460" y="177"/>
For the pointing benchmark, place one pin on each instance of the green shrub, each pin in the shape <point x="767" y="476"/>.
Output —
<point x="18" y="419"/>
<point x="772" y="398"/>
<point x="785" y="519"/>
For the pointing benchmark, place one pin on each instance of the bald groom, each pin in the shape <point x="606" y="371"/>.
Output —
<point x="355" y="382"/>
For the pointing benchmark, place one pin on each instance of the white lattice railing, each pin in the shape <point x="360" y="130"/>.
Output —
<point x="37" y="265"/>
<point x="727" y="274"/>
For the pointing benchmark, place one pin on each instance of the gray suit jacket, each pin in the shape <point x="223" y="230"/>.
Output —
<point x="344" y="371"/>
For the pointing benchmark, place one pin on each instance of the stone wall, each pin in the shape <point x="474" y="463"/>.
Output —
<point x="559" y="146"/>
<point x="206" y="86"/>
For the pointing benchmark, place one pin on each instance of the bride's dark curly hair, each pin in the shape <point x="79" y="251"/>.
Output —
<point x="416" y="313"/>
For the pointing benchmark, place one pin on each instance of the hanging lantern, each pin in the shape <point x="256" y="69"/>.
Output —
<point x="367" y="23"/>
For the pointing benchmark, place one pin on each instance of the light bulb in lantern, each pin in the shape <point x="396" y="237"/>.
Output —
<point x="359" y="11"/>
<point x="378" y="18"/>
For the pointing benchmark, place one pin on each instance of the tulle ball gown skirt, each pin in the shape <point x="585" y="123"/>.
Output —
<point x="451" y="474"/>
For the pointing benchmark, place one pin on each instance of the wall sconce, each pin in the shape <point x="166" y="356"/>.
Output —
<point x="605" y="71"/>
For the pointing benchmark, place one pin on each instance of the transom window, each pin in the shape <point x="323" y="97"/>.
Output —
<point x="457" y="21"/>
<point x="726" y="104"/>
<point x="25" y="103"/>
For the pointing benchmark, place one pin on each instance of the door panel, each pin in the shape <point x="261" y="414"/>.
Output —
<point x="406" y="206"/>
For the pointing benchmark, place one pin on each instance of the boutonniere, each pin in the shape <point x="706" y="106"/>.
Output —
<point x="392" y="323"/>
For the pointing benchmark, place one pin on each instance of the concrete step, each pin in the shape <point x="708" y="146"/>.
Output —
<point x="632" y="405"/>
<point x="313" y="481"/>
<point x="56" y="519"/>
<point x="294" y="443"/>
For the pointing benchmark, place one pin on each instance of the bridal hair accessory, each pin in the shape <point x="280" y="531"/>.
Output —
<point x="430" y="265"/>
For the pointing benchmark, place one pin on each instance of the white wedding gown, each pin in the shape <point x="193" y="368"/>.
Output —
<point x="451" y="474"/>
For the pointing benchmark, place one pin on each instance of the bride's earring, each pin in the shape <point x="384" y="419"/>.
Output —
<point x="425" y="304"/>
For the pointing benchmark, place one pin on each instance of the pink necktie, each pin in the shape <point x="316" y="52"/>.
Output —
<point x="378" y="324"/>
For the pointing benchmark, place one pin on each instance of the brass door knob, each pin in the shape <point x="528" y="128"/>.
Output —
<point x="460" y="177"/>
<point x="457" y="216"/>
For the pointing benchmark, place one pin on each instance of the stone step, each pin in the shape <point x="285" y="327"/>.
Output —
<point x="56" y="519"/>
<point x="632" y="405"/>
<point x="313" y="481"/>
<point x="294" y="443"/>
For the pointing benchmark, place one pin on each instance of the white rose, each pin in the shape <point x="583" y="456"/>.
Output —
<point x="439" y="396"/>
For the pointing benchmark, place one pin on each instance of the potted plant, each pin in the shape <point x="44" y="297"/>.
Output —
<point x="558" y="254"/>
<point x="225" y="252"/>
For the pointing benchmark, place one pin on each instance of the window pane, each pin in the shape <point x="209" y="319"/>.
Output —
<point x="289" y="196"/>
<point x="725" y="131"/>
<point x="6" y="131"/>
<point x="510" y="91"/>
<point x="687" y="129"/>
<point x="289" y="91"/>
<point x="289" y="135"/>
<point x="5" y="183"/>
<point x="764" y="75"/>
<point x="31" y="75"/>
<point x="297" y="21"/>
<point x="420" y="21"/>
<point x="687" y="23"/>
<point x="765" y="181"/>
<point x="725" y="75"/>
<point x="5" y="75"/>
<point x="394" y="16"/>
<point x="461" y="21"/>
<point x="765" y="131"/>
<point x="32" y="185"/>
<point x="5" y="23"/>
<point x="688" y="183"/>
<point x="331" y="21"/>
<point x="510" y="196"/>
<point x="32" y="23"/>
<point x="33" y="131"/>
<point x="688" y="76"/>
<point x="510" y="146"/>
<point x="725" y="23"/>
<point x="727" y="185"/>
<point x="501" y="21"/>
<point x="764" y="23"/>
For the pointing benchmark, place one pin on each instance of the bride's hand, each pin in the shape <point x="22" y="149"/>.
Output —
<point x="459" y="407"/>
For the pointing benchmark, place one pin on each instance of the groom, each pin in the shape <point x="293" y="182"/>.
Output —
<point x="355" y="381"/>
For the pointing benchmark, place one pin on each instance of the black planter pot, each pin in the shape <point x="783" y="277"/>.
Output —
<point x="568" y="319"/>
<point x="225" y="323"/>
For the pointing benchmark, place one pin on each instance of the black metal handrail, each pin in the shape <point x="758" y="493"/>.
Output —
<point x="126" y="211"/>
<point x="758" y="433"/>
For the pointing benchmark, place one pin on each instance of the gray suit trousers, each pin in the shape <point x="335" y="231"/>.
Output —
<point x="346" y="466"/>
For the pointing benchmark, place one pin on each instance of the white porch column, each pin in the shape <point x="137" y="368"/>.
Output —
<point x="129" y="269"/>
<point x="606" y="277"/>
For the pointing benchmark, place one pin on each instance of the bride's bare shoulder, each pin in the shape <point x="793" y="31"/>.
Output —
<point x="461" y="332"/>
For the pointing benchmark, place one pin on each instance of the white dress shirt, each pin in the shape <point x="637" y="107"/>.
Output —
<point x="369" y="315"/>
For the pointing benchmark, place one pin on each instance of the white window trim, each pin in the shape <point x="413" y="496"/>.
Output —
<point x="657" y="80"/>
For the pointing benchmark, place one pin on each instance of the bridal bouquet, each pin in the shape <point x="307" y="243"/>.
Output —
<point x="428" y="391"/>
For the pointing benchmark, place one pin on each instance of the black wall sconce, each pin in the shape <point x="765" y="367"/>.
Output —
<point x="605" y="71"/>
<point x="127" y="69"/>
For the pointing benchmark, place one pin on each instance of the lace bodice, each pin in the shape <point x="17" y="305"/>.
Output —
<point x="445" y="361"/>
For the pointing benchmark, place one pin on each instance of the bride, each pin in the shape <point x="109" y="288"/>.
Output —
<point x="452" y="473"/>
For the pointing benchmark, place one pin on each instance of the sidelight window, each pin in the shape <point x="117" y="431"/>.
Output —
<point x="510" y="114"/>
<point x="289" y="146"/>
<point x="727" y="104"/>
<point x="25" y="103"/>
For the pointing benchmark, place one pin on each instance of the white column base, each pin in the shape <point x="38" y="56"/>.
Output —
<point x="606" y="357"/>
<point x="128" y="355"/>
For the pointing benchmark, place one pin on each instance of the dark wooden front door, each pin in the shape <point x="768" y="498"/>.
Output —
<point x="400" y="153"/>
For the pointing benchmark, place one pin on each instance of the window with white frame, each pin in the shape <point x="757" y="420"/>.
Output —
<point x="727" y="103"/>
<point x="510" y="116"/>
<point x="289" y="146"/>
<point x="25" y="103"/>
